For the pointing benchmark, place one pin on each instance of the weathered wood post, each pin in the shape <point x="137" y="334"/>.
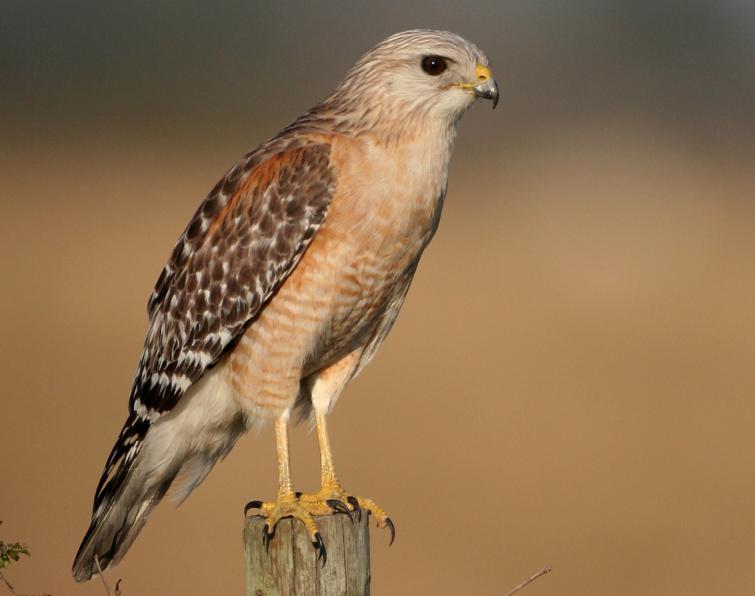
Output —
<point x="290" y="567"/>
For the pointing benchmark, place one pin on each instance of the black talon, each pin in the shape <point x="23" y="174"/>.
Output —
<point x="267" y="535"/>
<point x="320" y="547"/>
<point x="338" y="506"/>
<point x="252" y="505"/>
<point x="392" y="528"/>
<point x="297" y="494"/>
<point x="355" y="504"/>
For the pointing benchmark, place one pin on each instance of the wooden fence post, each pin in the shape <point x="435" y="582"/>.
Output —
<point x="291" y="568"/>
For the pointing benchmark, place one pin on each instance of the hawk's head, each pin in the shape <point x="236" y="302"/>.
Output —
<point x="435" y="74"/>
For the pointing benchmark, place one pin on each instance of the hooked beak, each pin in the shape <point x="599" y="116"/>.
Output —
<point x="486" y="87"/>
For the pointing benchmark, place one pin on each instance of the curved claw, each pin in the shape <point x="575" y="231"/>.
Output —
<point x="267" y="535"/>
<point x="320" y="547"/>
<point x="392" y="528"/>
<point x="339" y="506"/>
<point x="355" y="504"/>
<point x="252" y="505"/>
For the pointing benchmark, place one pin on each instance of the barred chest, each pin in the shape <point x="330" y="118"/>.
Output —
<point x="385" y="211"/>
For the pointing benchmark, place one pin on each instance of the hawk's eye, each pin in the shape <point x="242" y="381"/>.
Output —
<point x="434" y="65"/>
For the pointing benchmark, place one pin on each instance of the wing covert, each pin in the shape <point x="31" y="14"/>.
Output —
<point x="243" y="241"/>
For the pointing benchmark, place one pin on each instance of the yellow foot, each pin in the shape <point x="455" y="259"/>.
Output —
<point x="327" y="501"/>
<point x="289" y="506"/>
<point x="331" y="499"/>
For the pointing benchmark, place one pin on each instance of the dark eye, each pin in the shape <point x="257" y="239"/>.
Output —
<point x="434" y="65"/>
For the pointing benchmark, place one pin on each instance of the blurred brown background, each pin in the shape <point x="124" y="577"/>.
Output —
<point x="571" y="380"/>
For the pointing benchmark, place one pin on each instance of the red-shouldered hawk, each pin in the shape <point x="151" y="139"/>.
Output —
<point x="285" y="283"/>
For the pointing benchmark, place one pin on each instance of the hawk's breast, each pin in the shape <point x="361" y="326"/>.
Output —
<point x="381" y="216"/>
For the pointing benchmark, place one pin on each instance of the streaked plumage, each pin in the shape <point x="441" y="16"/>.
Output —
<point x="288" y="277"/>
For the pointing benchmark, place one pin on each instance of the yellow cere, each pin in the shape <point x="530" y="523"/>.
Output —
<point x="483" y="73"/>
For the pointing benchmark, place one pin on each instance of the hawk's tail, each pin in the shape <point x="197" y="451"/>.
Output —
<point x="144" y="463"/>
<point x="124" y="497"/>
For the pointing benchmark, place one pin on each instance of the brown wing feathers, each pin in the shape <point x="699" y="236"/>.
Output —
<point x="238" y="248"/>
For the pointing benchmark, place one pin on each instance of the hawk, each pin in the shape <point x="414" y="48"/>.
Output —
<point x="284" y="284"/>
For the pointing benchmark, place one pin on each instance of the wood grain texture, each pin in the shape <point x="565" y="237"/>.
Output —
<point x="291" y="568"/>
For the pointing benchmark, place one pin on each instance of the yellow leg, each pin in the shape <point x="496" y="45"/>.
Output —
<point x="328" y="476"/>
<point x="288" y="504"/>
<point x="285" y="488"/>
<point x="331" y="495"/>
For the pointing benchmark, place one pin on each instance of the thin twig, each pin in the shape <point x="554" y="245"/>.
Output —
<point x="529" y="580"/>
<point x="7" y="583"/>
<point x="12" y="589"/>
<point x="102" y="577"/>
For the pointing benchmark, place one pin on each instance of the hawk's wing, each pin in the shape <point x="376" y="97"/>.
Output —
<point x="242" y="243"/>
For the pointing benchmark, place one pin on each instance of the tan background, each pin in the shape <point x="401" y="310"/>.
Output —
<point x="571" y="380"/>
